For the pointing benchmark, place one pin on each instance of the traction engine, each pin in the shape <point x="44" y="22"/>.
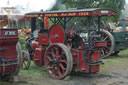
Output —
<point x="62" y="50"/>
<point x="10" y="54"/>
<point x="61" y="58"/>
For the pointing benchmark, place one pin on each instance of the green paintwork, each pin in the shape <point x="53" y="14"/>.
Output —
<point x="121" y="40"/>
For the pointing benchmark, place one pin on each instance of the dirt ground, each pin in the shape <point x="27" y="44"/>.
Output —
<point x="114" y="71"/>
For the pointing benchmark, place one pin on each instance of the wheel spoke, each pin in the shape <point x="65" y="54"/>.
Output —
<point x="53" y="70"/>
<point x="58" y="71"/>
<point x="62" y="53"/>
<point x="108" y="41"/>
<point x="60" y="56"/>
<point x="105" y="38"/>
<point x="57" y="51"/>
<point x="49" y="58"/>
<point x="63" y="61"/>
<point x="50" y="67"/>
<point x="52" y="52"/>
<point x="109" y="44"/>
<point x="107" y="48"/>
<point x="61" y="65"/>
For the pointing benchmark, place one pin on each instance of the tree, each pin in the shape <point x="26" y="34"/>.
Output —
<point x="116" y="5"/>
<point x="121" y="3"/>
<point x="112" y="4"/>
<point x="59" y="5"/>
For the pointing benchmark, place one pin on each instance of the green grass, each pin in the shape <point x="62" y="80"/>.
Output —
<point x="115" y="62"/>
<point x="112" y="63"/>
<point x="33" y="70"/>
<point x="33" y="73"/>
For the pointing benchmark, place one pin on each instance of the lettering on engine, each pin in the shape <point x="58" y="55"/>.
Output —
<point x="104" y="12"/>
<point x="10" y="33"/>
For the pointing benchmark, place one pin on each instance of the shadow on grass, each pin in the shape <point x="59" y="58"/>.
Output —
<point x="122" y="54"/>
<point x="34" y="68"/>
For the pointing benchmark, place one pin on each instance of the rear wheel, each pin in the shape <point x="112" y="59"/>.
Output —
<point x="58" y="61"/>
<point x="108" y="37"/>
<point x="19" y="57"/>
<point x="26" y="60"/>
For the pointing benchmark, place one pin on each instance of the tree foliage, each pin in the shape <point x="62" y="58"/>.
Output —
<point x="116" y="5"/>
<point x="112" y="4"/>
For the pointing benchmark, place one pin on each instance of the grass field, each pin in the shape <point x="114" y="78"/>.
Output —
<point x="37" y="75"/>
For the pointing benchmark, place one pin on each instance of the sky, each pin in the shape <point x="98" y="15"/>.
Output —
<point x="127" y="1"/>
<point x="35" y="5"/>
<point x="25" y="6"/>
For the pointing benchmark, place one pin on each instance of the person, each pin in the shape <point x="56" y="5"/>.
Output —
<point x="119" y="28"/>
<point x="46" y="23"/>
<point x="41" y="28"/>
<point x="111" y="26"/>
<point x="76" y="27"/>
<point x="44" y="26"/>
<point x="23" y="32"/>
<point x="28" y="31"/>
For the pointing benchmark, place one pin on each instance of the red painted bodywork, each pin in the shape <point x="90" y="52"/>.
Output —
<point x="8" y="44"/>
<point x="81" y="64"/>
<point x="103" y="12"/>
<point x="38" y="57"/>
<point x="57" y="34"/>
<point x="75" y="55"/>
<point x="76" y="13"/>
<point x="43" y="39"/>
<point x="100" y="44"/>
<point x="34" y="44"/>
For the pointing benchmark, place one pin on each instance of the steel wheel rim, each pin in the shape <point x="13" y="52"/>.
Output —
<point x="26" y="60"/>
<point x="107" y="36"/>
<point x="58" y="61"/>
<point x="19" y="57"/>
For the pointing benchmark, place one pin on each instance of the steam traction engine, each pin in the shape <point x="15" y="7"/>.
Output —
<point x="10" y="51"/>
<point x="117" y="40"/>
<point x="62" y="49"/>
<point x="10" y="54"/>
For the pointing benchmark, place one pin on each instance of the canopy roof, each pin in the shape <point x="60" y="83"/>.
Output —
<point x="73" y="13"/>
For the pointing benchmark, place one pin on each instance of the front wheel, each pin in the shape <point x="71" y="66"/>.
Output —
<point x="58" y="61"/>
